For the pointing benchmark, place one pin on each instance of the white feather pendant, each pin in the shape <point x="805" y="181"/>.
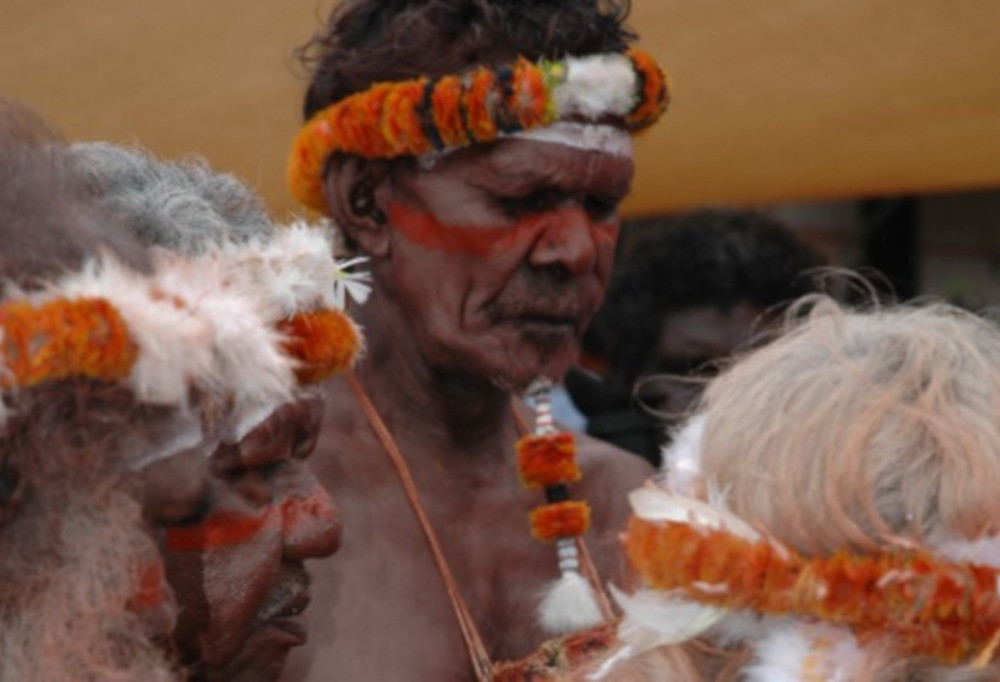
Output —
<point x="569" y="605"/>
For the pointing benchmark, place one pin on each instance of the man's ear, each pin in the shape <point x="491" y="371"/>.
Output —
<point x="355" y="192"/>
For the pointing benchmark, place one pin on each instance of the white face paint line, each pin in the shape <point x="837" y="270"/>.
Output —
<point x="606" y="139"/>
<point x="183" y="432"/>
<point x="598" y="137"/>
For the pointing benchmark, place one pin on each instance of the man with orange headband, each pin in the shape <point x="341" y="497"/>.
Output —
<point x="237" y="565"/>
<point x="122" y="369"/>
<point x="475" y="153"/>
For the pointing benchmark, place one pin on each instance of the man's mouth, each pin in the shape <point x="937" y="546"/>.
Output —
<point x="283" y="611"/>
<point x="553" y="321"/>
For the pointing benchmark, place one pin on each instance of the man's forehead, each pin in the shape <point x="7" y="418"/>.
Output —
<point x="518" y="163"/>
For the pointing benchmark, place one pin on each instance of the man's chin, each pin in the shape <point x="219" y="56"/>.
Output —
<point x="262" y="659"/>
<point x="522" y="371"/>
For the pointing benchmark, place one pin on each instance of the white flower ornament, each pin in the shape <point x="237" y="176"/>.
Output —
<point x="348" y="282"/>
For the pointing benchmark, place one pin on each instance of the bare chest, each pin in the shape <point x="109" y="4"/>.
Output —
<point x="387" y="612"/>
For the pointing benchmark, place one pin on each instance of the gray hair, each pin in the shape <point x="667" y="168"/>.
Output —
<point x="182" y="206"/>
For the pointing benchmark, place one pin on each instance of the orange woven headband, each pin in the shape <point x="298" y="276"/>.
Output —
<point x="929" y="605"/>
<point x="424" y="115"/>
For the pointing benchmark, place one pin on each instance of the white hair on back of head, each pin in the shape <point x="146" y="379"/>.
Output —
<point x="182" y="206"/>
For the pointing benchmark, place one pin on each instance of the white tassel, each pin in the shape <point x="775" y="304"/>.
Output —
<point x="569" y="605"/>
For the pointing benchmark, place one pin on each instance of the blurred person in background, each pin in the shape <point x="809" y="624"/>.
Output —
<point x="689" y="292"/>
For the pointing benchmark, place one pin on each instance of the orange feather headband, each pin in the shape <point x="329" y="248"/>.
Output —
<point x="248" y="321"/>
<point x="423" y="115"/>
<point x="926" y="604"/>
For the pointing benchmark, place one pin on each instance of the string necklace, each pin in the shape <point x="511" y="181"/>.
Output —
<point x="479" y="657"/>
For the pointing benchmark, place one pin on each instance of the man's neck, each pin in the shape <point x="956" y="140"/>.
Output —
<point x="466" y="416"/>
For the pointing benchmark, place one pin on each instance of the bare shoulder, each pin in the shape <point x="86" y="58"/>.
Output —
<point x="609" y="475"/>
<point x="610" y="468"/>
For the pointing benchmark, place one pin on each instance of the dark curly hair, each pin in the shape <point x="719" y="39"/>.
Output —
<point x="366" y="41"/>
<point x="716" y="258"/>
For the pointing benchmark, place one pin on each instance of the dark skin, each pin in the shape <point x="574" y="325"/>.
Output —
<point x="692" y="342"/>
<point x="236" y="564"/>
<point x="454" y="328"/>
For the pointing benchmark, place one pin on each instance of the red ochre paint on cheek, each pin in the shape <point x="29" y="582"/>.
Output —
<point x="424" y="229"/>
<point x="150" y="594"/>
<point x="607" y="233"/>
<point x="220" y="530"/>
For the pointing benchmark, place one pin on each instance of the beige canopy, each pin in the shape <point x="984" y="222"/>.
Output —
<point x="774" y="101"/>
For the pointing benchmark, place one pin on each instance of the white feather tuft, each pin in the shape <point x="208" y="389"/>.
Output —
<point x="682" y="458"/>
<point x="596" y="86"/>
<point x="653" y="619"/>
<point x="741" y="626"/>
<point x="569" y="605"/>
<point x="984" y="551"/>
<point x="193" y="326"/>
<point x="174" y="345"/>
<point x="805" y="653"/>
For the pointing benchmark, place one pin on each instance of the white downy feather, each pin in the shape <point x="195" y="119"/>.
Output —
<point x="174" y="345"/>
<point x="682" y="457"/>
<point x="294" y="269"/>
<point x="984" y="551"/>
<point x="247" y="356"/>
<point x="654" y="619"/>
<point x="569" y="605"/>
<point x="596" y="86"/>
<point x="799" y="652"/>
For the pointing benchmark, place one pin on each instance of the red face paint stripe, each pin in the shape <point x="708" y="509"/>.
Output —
<point x="607" y="232"/>
<point x="423" y="229"/>
<point x="150" y="594"/>
<point x="227" y="528"/>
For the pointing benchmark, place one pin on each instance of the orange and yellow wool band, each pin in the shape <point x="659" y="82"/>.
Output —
<point x="88" y="338"/>
<point x="423" y="115"/>
<point x="928" y="605"/>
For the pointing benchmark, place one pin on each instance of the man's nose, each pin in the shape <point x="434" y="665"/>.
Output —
<point x="567" y="241"/>
<point x="310" y="522"/>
